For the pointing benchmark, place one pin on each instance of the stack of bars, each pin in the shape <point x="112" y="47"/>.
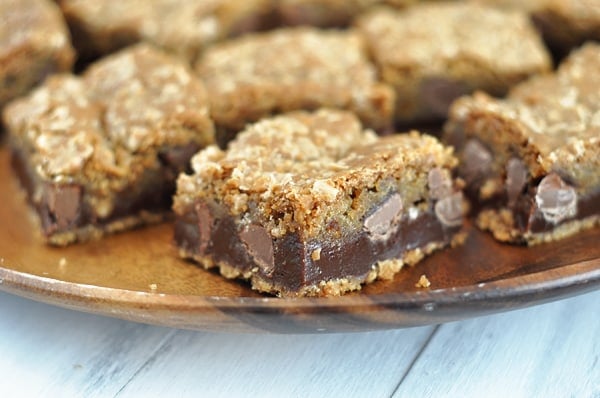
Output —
<point x="286" y="140"/>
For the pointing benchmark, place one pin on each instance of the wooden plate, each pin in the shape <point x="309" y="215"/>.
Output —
<point x="137" y="276"/>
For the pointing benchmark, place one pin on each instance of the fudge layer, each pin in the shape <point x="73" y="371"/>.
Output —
<point x="311" y="204"/>
<point x="34" y="43"/>
<point x="433" y="53"/>
<point x="532" y="161"/>
<point x="183" y="27"/>
<point x="292" y="69"/>
<point x="100" y="153"/>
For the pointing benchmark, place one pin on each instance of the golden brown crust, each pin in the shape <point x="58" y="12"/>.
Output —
<point x="290" y="69"/>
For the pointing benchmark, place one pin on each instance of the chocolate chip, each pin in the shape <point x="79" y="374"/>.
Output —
<point x="64" y="204"/>
<point x="556" y="199"/>
<point x="205" y="226"/>
<point x="380" y="222"/>
<point x="439" y="182"/>
<point x="516" y="178"/>
<point x="449" y="210"/>
<point x="259" y="244"/>
<point x="437" y="94"/>
<point x="476" y="161"/>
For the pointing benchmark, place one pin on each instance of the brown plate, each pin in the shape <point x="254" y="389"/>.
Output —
<point x="137" y="276"/>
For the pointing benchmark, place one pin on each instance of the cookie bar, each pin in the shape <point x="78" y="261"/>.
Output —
<point x="100" y="153"/>
<point x="564" y="24"/>
<point x="432" y="53"/>
<point x="183" y="27"/>
<point x="532" y="161"/>
<point x="34" y="43"/>
<point x="291" y="69"/>
<point x="311" y="204"/>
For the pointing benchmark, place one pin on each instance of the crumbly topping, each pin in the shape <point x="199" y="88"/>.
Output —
<point x="423" y="282"/>
<point x="151" y="98"/>
<point x="290" y="69"/>
<point x="184" y="27"/>
<point x="301" y="168"/>
<point x="26" y="22"/>
<point x="555" y="117"/>
<point x="105" y="135"/>
<point x="443" y="38"/>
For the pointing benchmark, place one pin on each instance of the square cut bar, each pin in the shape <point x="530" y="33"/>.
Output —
<point x="311" y="204"/>
<point x="292" y="69"/>
<point x="532" y="161"/>
<point x="183" y="27"/>
<point x="100" y="153"/>
<point x="433" y="53"/>
<point x="34" y="43"/>
<point x="564" y="24"/>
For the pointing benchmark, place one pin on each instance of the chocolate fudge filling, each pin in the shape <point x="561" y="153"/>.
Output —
<point x="62" y="206"/>
<point x="290" y="262"/>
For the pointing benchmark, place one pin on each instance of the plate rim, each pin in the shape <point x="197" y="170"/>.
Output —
<point x="581" y="273"/>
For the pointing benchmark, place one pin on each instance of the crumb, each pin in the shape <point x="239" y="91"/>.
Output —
<point x="62" y="263"/>
<point x="153" y="286"/>
<point x="316" y="254"/>
<point x="423" y="282"/>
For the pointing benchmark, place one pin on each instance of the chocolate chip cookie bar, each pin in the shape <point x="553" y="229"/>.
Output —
<point x="100" y="153"/>
<point x="309" y="203"/>
<point x="432" y="53"/>
<point x="292" y="69"/>
<point x="183" y="27"/>
<point x="34" y="43"/>
<point x="564" y="24"/>
<point x="532" y="161"/>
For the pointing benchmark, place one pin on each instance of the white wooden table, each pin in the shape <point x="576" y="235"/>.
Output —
<point x="551" y="350"/>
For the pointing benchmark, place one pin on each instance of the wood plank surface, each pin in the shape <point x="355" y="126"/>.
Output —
<point x="546" y="351"/>
<point x="551" y="350"/>
<point x="52" y="352"/>
<point x="229" y="365"/>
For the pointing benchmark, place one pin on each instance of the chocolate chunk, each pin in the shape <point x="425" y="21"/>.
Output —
<point x="64" y="204"/>
<point x="260" y="246"/>
<point x="440" y="183"/>
<point x="476" y="161"/>
<point x="449" y="210"/>
<point x="438" y="93"/>
<point x="556" y="199"/>
<point x="516" y="178"/>
<point x="381" y="221"/>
